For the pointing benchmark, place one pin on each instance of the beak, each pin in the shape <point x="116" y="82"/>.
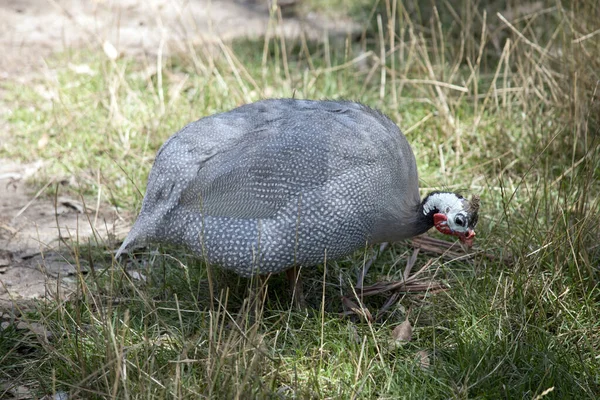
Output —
<point x="467" y="237"/>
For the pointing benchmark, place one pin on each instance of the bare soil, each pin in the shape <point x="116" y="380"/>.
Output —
<point x="34" y="229"/>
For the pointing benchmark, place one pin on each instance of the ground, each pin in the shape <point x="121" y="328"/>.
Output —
<point x="31" y="227"/>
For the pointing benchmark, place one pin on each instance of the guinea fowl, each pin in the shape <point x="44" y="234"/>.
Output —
<point x="282" y="183"/>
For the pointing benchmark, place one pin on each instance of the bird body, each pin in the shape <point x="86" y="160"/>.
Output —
<point x="285" y="182"/>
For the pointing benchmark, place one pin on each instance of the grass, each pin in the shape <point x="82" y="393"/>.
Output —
<point x="517" y="124"/>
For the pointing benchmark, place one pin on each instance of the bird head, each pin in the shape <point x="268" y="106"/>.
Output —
<point x="453" y="214"/>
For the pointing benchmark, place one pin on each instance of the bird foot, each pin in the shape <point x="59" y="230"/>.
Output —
<point x="296" y="286"/>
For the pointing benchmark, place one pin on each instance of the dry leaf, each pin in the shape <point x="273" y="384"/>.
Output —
<point x="36" y="328"/>
<point x="81" y="69"/>
<point x="403" y="332"/>
<point x="57" y="396"/>
<point x="72" y="204"/>
<point x="4" y="262"/>
<point x="423" y="359"/>
<point x="110" y="50"/>
<point x="137" y="276"/>
<point x="17" y="392"/>
<point x="8" y="228"/>
<point x="354" y="334"/>
<point x="354" y="308"/>
<point x="43" y="141"/>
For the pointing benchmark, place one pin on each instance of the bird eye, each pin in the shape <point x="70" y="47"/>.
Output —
<point x="460" y="221"/>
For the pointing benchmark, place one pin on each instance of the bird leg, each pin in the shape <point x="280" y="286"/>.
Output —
<point x="295" y="281"/>
<point x="255" y="300"/>
<point x="363" y="271"/>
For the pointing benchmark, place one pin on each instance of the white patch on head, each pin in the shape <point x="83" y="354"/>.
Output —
<point x="443" y="202"/>
<point x="451" y="206"/>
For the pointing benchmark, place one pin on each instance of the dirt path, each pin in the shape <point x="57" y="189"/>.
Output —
<point x="31" y="228"/>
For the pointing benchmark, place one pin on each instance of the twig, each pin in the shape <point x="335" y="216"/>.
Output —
<point x="38" y="194"/>
<point x="411" y="263"/>
<point x="389" y="302"/>
<point x="356" y="309"/>
<point x="520" y="35"/>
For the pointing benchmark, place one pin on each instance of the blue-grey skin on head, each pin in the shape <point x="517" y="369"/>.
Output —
<point x="285" y="182"/>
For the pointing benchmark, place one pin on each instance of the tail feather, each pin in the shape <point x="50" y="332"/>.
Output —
<point x="128" y="242"/>
<point x="135" y="237"/>
<point x="144" y="229"/>
<point x="123" y="247"/>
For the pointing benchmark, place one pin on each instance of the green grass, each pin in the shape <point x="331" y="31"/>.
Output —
<point x="519" y="127"/>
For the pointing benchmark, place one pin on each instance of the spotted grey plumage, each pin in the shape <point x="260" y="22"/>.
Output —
<point x="286" y="182"/>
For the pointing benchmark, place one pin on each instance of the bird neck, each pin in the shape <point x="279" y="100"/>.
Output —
<point x="403" y="223"/>
<point x="414" y="219"/>
<point x="423" y="217"/>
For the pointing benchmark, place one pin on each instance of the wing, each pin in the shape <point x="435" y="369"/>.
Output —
<point x="252" y="161"/>
<point x="268" y="168"/>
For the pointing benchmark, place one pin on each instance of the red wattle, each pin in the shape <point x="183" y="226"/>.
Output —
<point x="440" y="221"/>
